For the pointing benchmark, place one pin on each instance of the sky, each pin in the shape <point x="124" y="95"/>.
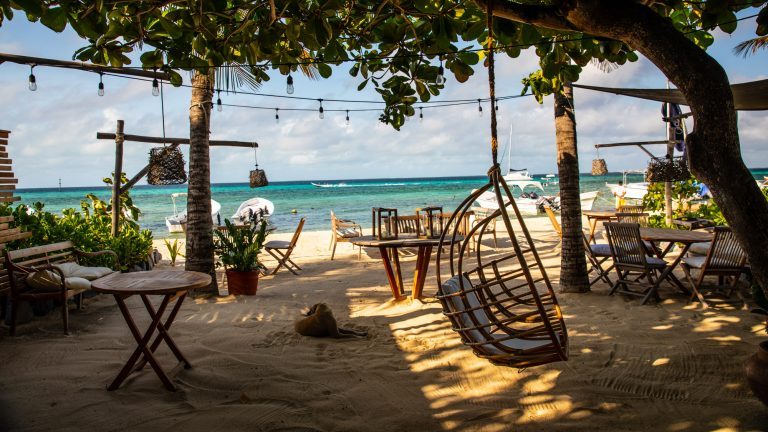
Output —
<point x="53" y="130"/>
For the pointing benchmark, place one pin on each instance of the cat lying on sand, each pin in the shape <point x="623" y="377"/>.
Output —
<point x="319" y="322"/>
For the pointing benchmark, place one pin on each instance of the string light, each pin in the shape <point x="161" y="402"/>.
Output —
<point x="440" y="73"/>
<point x="219" y="106"/>
<point x="277" y="116"/>
<point x="347" y="117"/>
<point x="155" y="87"/>
<point x="421" y="116"/>
<point x="320" y="111"/>
<point x="497" y="104"/>
<point x="101" y="84"/>
<point x="289" y="87"/>
<point x="479" y="108"/>
<point x="32" y="80"/>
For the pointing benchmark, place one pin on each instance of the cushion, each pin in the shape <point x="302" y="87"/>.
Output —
<point x="601" y="250"/>
<point x="89" y="273"/>
<point x="48" y="280"/>
<point x="347" y="232"/>
<point x="456" y="304"/>
<point x="278" y="244"/>
<point x="655" y="262"/>
<point x="700" y="248"/>
<point x="696" y="261"/>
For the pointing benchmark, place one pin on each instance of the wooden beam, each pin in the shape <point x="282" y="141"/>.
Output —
<point x="37" y="61"/>
<point x="632" y="143"/>
<point x="116" y="209"/>
<point x="9" y="199"/>
<point x="161" y="140"/>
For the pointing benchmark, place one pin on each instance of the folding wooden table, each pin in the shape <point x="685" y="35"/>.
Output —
<point x="171" y="285"/>
<point x="389" y="256"/>
<point x="595" y="216"/>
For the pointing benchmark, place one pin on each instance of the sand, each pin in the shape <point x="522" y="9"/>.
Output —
<point x="666" y="367"/>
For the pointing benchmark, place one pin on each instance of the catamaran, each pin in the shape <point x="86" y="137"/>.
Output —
<point x="178" y="221"/>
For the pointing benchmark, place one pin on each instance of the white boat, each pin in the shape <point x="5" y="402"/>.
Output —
<point x="527" y="206"/>
<point x="254" y="208"/>
<point x="178" y="221"/>
<point x="588" y="199"/>
<point x="635" y="191"/>
<point x="328" y="185"/>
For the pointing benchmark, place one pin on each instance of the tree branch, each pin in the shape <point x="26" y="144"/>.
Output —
<point x="552" y="17"/>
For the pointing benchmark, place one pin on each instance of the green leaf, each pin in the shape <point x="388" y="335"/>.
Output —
<point x="324" y="70"/>
<point x="55" y="19"/>
<point x="727" y="22"/>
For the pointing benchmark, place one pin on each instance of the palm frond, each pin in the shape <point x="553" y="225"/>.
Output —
<point x="604" y="65"/>
<point x="751" y="46"/>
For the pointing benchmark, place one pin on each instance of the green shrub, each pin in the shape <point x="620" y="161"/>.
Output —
<point x="239" y="247"/>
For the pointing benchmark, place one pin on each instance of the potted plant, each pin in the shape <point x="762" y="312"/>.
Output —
<point x="238" y="248"/>
<point x="757" y="365"/>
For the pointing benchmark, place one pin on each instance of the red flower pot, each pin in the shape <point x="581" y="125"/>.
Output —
<point x="757" y="372"/>
<point x="242" y="283"/>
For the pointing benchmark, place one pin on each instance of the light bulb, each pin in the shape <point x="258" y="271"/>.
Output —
<point x="219" y="107"/>
<point x="440" y="75"/>
<point x="155" y="87"/>
<point x="347" y="117"/>
<point x="479" y="108"/>
<point x="421" y="116"/>
<point x="321" y="111"/>
<point x="32" y="80"/>
<point x="289" y="87"/>
<point x="277" y="116"/>
<point x="101" y="88"/>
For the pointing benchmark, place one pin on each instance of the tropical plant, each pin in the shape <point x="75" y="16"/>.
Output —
<point x="239" y="247"/>
<point x="174" y="249"/>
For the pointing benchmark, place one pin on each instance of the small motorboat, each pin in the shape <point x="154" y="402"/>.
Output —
<point x="177" y="223"/>
<point x="253" y="209"/>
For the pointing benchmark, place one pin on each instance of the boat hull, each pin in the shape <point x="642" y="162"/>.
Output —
<point x="635" y="191"/>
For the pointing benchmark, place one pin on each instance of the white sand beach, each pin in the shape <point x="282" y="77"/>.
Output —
<point x="666" y="367"/>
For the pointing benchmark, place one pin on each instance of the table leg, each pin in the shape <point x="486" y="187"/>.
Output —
<point x="163" y="332"/>
<point x="592" y="227"/>
<point x="142" y="345"/>
<point x="420" y="274"/>
<point x="395" y="279"/>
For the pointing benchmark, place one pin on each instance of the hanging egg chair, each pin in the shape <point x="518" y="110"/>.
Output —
<point x="501" y="304"/>
<point x="166" y="166"/>
<point x="258" y="177"/>
<point x="599" y="167"/>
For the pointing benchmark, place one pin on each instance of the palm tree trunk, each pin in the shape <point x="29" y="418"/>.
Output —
<point x="199" y="222"/>
<point x="573" y="263"/>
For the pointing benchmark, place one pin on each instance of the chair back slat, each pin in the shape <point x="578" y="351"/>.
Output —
<point x="407" y="224"/>
<point x="633" y="217"/>
<point x="630" y="209"/>
<point x="725" y="252"/>
<point x="553" y="219"/>
<point x="296" y="234"/>
<point x="625" y="242"/>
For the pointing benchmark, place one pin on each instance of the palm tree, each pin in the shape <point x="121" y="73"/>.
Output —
<point x="751" y="46"/>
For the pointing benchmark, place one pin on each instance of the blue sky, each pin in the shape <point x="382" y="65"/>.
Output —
<point x="54" y="129"/>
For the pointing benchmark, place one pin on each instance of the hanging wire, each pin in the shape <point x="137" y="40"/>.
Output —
<point x="492" y="85"/>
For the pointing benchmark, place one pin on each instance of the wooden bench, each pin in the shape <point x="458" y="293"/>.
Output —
<point x="23" y="262"/>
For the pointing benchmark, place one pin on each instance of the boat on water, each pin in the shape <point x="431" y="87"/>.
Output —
<point x="328" y="185"/>
<point x="177" y="222"/>
<point x="253" y="209"/>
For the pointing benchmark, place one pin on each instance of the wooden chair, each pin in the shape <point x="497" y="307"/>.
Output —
<point x="598" y="254"/>
<point x="281" y="250"/>
<point x="22" y="263"/>
<point x="725" y="258"/>
<point x="633" y="265"/>
<point x="633" y="217"/>
<point x="342" y="231"/>
<point x="407" y="224"/>
<point x="480" y="214"/>
<point x="555" y="224"/>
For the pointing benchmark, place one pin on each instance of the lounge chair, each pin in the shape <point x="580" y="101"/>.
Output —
<point x="281" y="250"/>
<point x="342" y="231"/>
<point x="725" y="258"/>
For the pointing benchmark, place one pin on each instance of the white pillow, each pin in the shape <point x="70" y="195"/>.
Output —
<point x="48" y="280"/>
<point x="71" y="269"/>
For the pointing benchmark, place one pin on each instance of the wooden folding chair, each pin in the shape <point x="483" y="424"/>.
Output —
<point x="281" y="251"/>
<point x="630" y="209"/>
<point x="725" y="258"/>
<point x="633" y="217"/>
<point x="481" y="214"/>
<point x="632" y="263"/>
<point x="598" y="254"/>
<point x="343" y="231"/>
<point x="555" y="223"/>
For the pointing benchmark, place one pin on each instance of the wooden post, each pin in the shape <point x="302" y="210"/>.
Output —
<point x="119" y="137"/>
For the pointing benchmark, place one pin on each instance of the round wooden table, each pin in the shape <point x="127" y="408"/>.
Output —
<point x="595" y="216"/>
<point x="167" y="283"/>
<point x="389" y="256"/>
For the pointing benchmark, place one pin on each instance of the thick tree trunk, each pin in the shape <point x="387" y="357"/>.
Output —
<point x="713" y="145"/>
<point x="573" y="263"/>
<point x="199" y="222"/>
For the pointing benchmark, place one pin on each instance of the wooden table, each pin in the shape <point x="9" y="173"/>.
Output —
<point x="672" y="236"/>
<point x="595" y="216"/>
<point x="389" y="256"/>
<point x="167" y="283"/>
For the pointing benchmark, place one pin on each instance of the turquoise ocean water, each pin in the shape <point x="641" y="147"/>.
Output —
<point x="353" y="200"/>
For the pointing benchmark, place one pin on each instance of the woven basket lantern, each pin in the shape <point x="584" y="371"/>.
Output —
<point x="166" y="166"/>
<point x="667" y="169"/>
<point x="258" y="178"/>
<point x="599" y="168"/>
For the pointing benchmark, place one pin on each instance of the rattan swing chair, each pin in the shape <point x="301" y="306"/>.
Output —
<point x="501" y="304"/>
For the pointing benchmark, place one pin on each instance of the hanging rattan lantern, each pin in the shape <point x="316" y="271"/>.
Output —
<point x="667" y="169"/>
<point x="258" y="177"/>
<point x="166" y="166"/>
<point x="384" y="223"/>
<point x="430" y="222"/>
<point x="599" y="168"/>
